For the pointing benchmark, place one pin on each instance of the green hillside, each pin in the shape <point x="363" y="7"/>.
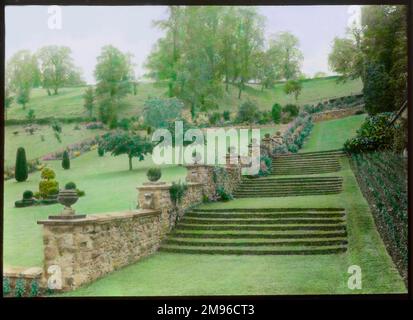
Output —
<point x="69" y="101"/>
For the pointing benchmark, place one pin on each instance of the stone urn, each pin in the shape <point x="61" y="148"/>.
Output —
<point x="68" y="197"/>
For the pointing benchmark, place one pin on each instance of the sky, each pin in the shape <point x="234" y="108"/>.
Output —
<point x="87" y="29"/>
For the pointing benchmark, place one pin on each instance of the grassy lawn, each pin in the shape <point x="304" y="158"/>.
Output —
<point x="69" y="101"/>
<point x="33" y="144"/>
<point x="331" y="134"/>
<point x="168" y="274"/>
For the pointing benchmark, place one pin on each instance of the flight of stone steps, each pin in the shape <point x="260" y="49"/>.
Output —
<point x="307" y="163"/>
<point x="270" y="231"/>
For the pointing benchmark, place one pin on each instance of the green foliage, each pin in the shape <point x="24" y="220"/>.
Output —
<point x="28" y="194"/>
<point x="124" y="124"/>
<point x="226" y="115"/>
<point x="21" y="170"/>
<point x="293" y="148"/>
<point x="177" y="191"/>
<point x="89" y="98"/>
<point x="70" y="186"/>
<point x="293" y="87"/>
<point x="158" y="112"/>
<point x="6" y="286"/>
<point x="214" y="118"/>
<point x="34" y="288"/>
<point x="291" y="109"/>
<point x="154" y="174"/>
<point x="265" y="166"/>
<point x="114" y="76"/>
<point x="378" y="95"/>
<point x="276" y="113"/>
<point x="119" y="143"/>
<point x="223" y="195"/>
<point x="374" y="134"/>
<point x="80" y="193"/>
<point x="30" y="115"/>
<point x="20" y="288"/>
<point x="66" y="160"/>
<point x="57" y="69"/>
<point x="248" y="112"/>
<point x="48" y="174"/>
<point x="101" y="151"/>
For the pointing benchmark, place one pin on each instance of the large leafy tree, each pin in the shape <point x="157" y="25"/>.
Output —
<point x="21" y="75"/>
<point x="119" y="143"/>
<point x="114" y="75"/>
<point x="284" y="48"/>
<point x="57" y="68"/>
<point x="158" y="113"/>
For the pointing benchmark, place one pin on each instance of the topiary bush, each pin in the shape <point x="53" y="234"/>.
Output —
<point x="6" y="286"/>
<point x="293" y="148"/>
<point x="223" y="195"/>
<point x="70" y="186"/>
<point x="47" y="174"/>
<point x="154" y="174"/>
<point x="66" y="160"/>
<point x="291" y="109"/>
<point x="48" y="185"/>
<point x="101" y="151"/>
<point x="21" y="170"/>
<point x="20" y="288"/>
<point x="27" y="195"/>
<point x="34" y="288"/>
<point x="226" y="115"/>
<point x="276" y="113"/>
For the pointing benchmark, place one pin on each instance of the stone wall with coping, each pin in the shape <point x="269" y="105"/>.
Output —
<point x="336" y="113"/>
<point x="87" y="249"/>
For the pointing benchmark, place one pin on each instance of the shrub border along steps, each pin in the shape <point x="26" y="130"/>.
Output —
<point x="270" y="231"/>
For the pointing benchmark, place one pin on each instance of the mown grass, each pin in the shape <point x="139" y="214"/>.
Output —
<point x="331" y="134"/>
<point x="69" y="101"/>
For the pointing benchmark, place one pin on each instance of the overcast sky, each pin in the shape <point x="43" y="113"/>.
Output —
<point x="86" y="29"/>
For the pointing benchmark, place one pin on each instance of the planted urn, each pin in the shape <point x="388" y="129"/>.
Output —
<point x="154" y="174"/>
<point x="67" y="197"/>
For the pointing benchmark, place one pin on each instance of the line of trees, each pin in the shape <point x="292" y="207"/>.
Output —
<point x="206" y="46"/>
<point x="51" y="68"/>
<point x="376" y="51"/>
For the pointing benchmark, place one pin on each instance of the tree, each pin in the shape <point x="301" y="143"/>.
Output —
<point x="345" y="58"/>
<point x="158" y="112"/>
<point x="123" y="143"/>
<point x="113" y="74"/>
<point x="284" y="47"/>
<point x="276" y="113"/>
<point x="293" y="87"/>
<point x="378" y="95"/>
<point x="21" y="74"/>
<point x="57" y="68"/>
<point x="66" y="160"/>
<point x="8" y="100"/>
<point x="20" y="170"/>
<point x="248" y="112"/>
<point x="89" y="98"/>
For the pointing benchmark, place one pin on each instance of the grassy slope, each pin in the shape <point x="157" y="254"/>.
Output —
<point x="33" y="144"/>
<point x="180" y="274"/>
<point x="331" y="134"/>
<point x="69" y="102"/>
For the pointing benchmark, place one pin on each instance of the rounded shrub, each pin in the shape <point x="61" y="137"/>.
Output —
<point x="66" y="160"/>
<point x="70" y="186"/>
<point x="293" y="148"/>
<point x="292" y="109"/>
<point x="154" y="174"/>
<point x="48" y="174"/>
<point x="101" y="151"/>
<point x="21" y="171"/>
<point x="27" y="195"/>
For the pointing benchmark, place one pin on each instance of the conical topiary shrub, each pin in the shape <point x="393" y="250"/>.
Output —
<point x="66" y="160"/>
<point x="21" y="172"/>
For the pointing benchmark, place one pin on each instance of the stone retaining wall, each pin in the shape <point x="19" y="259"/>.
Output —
<point x="336" y="113"/>
<point x="86" y="249"/>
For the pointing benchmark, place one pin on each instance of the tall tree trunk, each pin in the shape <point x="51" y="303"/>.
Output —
<point x="56" y="91"/>
<point x="130" y="162"/>
<point x="48" y="92"/>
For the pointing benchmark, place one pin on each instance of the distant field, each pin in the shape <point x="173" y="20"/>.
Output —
<point x="69" y="101"/>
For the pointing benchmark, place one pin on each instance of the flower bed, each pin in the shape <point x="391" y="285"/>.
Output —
<point x="383" y="180"/>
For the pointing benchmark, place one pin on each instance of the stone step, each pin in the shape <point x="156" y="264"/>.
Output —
<point x="254" y="242"/>
<point x="292" y="194"/>
<point x="254" y="250"/>
<point x="281" y="180"/>
<point x="289" y="220"/>
<point x="291" y="209"/>
<point x="263" y="234"/>
<point x="264" y="215"/>
<point x="296" y="227"/>
<point x="291" y="186"/>
<point x="306" y="161"/>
